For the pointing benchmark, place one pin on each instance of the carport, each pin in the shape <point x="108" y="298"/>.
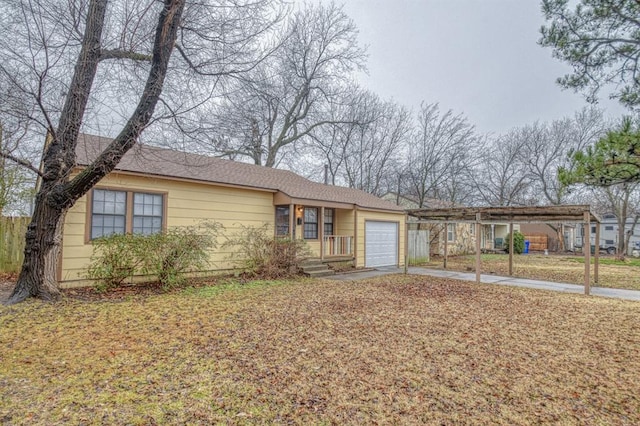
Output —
<point x="511" y="215"/>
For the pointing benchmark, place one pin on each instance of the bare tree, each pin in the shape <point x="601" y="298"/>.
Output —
<point x="502" y="178"/>
<point x="548" y="149"/>
<point x="550" y="145"/>
<point x="372" y="147"/>
<point x="285" y="98"/>
<point x="623" y="200"/>
<point x="438" y="155"/>
<point x="332" y="142"/>
<point x="74" y="48"/>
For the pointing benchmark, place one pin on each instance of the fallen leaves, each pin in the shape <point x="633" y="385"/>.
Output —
<point x="397" y="349"/>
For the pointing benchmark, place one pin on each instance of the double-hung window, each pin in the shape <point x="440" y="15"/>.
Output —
<point x="119" y="212"/>
<point x="311" y="223"/>
<point x="147" y="213"/>
<point x="451" y="232"/>
<point x="282" y="221"/>
<point x="328" y="221"/>
<point x="109" y="212"/>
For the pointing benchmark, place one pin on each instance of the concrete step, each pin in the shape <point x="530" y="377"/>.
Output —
<point x="318" y="274"/>
<point x="312" y="268"/>
<point x="310" y="262"/>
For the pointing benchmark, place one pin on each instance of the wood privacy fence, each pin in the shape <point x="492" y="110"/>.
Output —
<point x="537" y="242"/>
<point x="418" y="246"/>
<point x="12" y="230"/>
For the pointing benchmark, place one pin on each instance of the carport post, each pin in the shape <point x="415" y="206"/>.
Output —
<point x="445" y="232"/>
<point x="587" y="251"/>
<point x="510" y="249"/>
<point x="477" y="224"/>
<point x="596" y="253"/>
<point x="406" y="244"/>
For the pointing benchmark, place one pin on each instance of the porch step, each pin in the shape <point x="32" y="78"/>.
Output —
<point x="315" y="268"/>
<point x="318" y="274"/>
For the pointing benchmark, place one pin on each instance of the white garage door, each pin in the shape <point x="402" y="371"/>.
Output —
<point x="381" y="243"/>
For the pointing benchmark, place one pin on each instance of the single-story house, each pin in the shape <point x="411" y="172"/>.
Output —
<point x="153" y="189"/>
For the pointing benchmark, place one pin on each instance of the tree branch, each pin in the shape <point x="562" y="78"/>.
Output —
<point x="124" y="54"/>
<point x="165" y="36"/>
<point x="22" y="163"/>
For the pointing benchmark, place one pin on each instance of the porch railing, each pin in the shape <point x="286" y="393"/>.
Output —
<point x="338" y="245"/>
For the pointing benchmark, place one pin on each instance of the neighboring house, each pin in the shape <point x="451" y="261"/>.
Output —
<point x="609" y="233"/>
<point x="154" y="189"/>
<point x="533" y="231"/>
<point x="461" y="237"/>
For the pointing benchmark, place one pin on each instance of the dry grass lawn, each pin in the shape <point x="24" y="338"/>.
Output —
<point x="392" y="350"/>
<point x="556" y="268"/>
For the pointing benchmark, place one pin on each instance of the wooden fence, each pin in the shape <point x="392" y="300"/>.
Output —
<point x="12" y="230"/>
<point x="418" y="245"/>
<point x="537" y="242"/>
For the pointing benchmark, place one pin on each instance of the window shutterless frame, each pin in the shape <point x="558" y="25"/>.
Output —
<point x="329" y="215"/>
<point x="129" y="209"/>
<point x="310" y="223"/>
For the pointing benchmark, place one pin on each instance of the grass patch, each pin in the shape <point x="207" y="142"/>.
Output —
<point x="557" y="268"/>
<point x="392" y="350"/>
<point x="610" y="261"/>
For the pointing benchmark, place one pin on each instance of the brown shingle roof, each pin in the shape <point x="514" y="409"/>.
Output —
<point x="169" y="163"/>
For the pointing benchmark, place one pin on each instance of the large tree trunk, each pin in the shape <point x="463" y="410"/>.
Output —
<point x="57" y="193"/>
<point x="41" y="256"/>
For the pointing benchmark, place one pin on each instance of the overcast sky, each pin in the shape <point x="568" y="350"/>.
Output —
<point x="476" y="57"/>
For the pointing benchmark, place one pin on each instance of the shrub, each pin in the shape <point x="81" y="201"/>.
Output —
<point x="259" y="253"/>
<point x="167" y="255"/>
<point x="115" y="259"/>
<point x="179" y="250"/>
<point x="518" y="242"/>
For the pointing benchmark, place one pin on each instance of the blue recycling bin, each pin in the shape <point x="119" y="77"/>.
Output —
<point x="526" y="247"/>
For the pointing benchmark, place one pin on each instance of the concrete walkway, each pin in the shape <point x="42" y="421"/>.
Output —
<point x="493" y="279"/>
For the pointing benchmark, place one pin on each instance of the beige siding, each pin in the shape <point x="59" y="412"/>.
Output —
<point x="364" y="215"/>
<point x="187" y="205"/>
<point x="344" y="222"/>
<point x="314" y="247"/>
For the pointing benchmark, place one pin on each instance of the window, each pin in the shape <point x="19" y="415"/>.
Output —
<point x="311" y="223"/>
<point x="282" y="221"/>
<point x="108" y="213"/>
<point x="608" y="242"/>
<point x="608" y="228"/>
<point x="593" y="229"/>
<point x="451" y="232"/>
<point x="328" y="221"/>
<point x="118" y="212"/>
<point x="147" y="213"/>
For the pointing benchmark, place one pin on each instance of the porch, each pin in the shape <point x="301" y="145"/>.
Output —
<point x="328" y="230"/>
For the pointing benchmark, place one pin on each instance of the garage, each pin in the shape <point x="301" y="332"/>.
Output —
<point x="381" y="243"/>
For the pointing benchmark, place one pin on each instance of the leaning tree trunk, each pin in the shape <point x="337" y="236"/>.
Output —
<point x="57" y="194"/>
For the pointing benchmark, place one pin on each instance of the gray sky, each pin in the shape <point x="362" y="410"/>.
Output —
<point x="476" y="57"/>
